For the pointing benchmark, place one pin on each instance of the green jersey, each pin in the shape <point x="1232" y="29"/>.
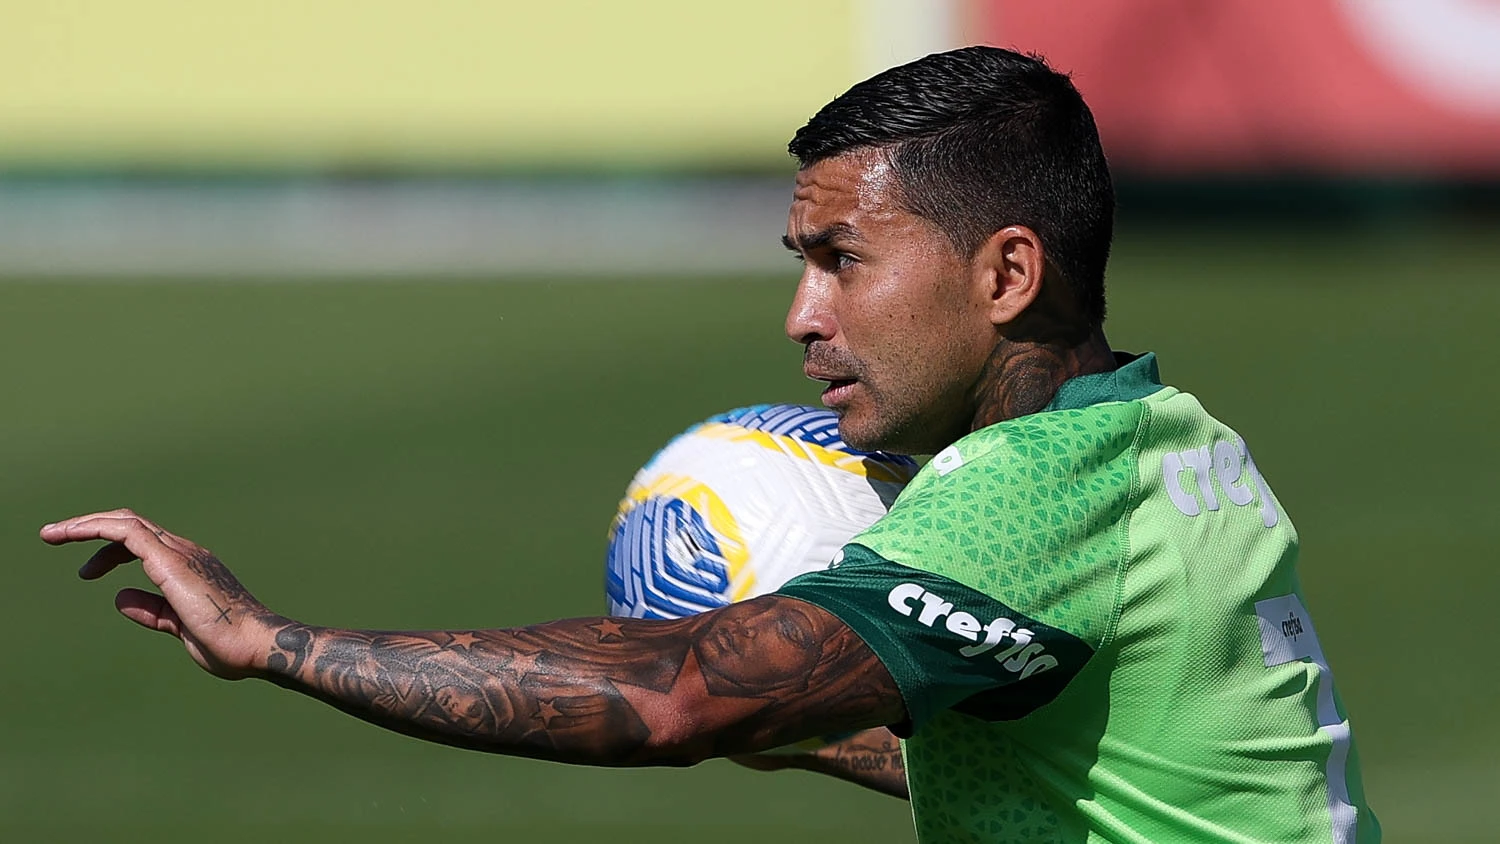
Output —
<point x="1094" y="619"/>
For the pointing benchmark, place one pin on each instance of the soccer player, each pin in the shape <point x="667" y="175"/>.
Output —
<point x="1083" y="615"/>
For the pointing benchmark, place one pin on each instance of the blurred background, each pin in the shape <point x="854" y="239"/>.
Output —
<point x="386" y="301"/>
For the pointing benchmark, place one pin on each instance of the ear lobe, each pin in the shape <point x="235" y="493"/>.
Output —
<point x="1012" y="266"/>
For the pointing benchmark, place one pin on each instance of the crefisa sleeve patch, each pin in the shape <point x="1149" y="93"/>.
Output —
<point x="947" y="645"/>
<point x="1286" y="630"/>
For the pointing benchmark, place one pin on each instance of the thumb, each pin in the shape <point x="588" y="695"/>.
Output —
<point x="149" y="610"/>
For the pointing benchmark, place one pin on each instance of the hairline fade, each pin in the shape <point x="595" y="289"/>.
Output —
<point x="980" y="138"/>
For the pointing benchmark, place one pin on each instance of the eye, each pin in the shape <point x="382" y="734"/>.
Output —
<point x="843" y="260"/>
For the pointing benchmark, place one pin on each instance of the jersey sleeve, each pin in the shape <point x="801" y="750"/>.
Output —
<point x="995" y="577"/>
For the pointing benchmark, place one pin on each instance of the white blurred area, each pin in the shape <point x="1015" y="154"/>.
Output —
<point x="403" y="228"/>
<point x="334" y="138"/>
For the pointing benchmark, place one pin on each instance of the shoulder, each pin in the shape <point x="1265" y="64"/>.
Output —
<point x="1049" y="467"/>
<point x="1032" y="511"/>
<point x="1045" y="446"/>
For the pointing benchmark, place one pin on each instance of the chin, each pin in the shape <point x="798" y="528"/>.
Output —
<point x="862" y="427"/>
<point x="867" y="436"/>
<point x="851" y="431"/>
<point x="900" y="440"/>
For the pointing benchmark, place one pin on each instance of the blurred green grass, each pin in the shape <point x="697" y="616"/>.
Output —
<point x="428" y="454"/>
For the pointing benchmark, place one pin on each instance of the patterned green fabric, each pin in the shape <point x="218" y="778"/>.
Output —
<point x="1131" y="536"/>
<point x="1035" y="513"/>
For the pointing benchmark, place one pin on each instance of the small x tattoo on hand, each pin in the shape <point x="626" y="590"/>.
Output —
<point x="223" y="611"/>
<point x="159" y="533"/>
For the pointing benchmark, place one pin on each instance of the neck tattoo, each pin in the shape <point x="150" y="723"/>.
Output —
<point x="1022" y="377"/>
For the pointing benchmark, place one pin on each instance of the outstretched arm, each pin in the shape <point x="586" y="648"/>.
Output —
<point x="601" y="691"/>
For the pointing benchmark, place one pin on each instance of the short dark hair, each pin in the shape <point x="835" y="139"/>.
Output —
<point x="981" y="138"/>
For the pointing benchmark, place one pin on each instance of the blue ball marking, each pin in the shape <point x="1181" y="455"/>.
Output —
<point x="642" y="576"/>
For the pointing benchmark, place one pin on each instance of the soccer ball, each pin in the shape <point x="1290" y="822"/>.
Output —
<point x="736" y="506"/>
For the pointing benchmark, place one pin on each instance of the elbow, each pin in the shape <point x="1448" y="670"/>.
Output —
<point x="678" y="736"/>
<point x="679" y="728"/>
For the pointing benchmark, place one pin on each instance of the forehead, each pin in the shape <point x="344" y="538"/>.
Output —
<point x="855" y="189"/>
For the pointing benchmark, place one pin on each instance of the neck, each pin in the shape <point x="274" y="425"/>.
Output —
<point x="1022" y="375"/>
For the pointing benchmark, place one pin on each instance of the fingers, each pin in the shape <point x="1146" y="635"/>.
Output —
<point x="105" y="560"/>
<point x="75" y="530"/>
<point x="130" y="537"/>
<point x="135" y="533"/>
<point x="149" y="610"/>
<point x="53" y="533"/>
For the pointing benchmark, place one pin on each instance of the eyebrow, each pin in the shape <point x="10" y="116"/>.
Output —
<point x="821" y="238"/>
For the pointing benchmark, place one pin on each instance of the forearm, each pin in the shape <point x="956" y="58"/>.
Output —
<point x="509" y="691"/>
<point x="592" y="691"/>
<point x="871" y="758"/>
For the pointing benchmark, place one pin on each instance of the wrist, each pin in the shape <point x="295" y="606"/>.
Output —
<point x="280" y="648"/>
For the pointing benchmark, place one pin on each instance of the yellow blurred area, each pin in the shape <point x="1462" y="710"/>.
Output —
<point x="395" y="83"/>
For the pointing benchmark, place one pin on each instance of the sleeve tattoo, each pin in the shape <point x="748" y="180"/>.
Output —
<point x="604" y="691"/>
<point x="871" y="758"/>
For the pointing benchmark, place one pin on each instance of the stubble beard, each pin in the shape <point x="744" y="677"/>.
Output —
<point x="882" y="417"/>
<point x="895" y="422"/>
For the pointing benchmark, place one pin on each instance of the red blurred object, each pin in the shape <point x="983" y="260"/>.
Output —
<point x="1213" y="86"/>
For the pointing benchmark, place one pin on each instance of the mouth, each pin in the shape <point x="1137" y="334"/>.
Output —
<point x="838" y="392"/>
<point x="839" y="369"/>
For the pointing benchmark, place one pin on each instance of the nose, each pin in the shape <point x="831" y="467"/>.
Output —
<point x="811" y="315"/>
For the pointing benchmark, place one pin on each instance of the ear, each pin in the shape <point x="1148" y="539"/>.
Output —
<point x="1009" y="270"/>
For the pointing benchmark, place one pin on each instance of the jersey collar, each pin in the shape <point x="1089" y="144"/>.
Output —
<point x="1136" y="378"/>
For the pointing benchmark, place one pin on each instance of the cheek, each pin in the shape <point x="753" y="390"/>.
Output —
<point x="914" y="318"/>
<point x="915" y="346"/>
<point x="926" y="366"/>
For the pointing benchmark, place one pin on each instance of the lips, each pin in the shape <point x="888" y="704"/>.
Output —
<point x="824" y="375"/>
<point x="838" y="392"/>
<point x="836" y="368"/>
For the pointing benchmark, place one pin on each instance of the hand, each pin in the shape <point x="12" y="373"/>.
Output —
<point x="223" y="627"/>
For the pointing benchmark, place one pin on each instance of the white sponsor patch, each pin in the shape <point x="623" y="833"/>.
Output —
<point x="947" y="460"/>
<point x="1286" y="635"/>
<point x="1286" y="631"/>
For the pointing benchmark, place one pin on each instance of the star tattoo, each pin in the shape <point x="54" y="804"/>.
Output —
<point x="606" y="628"/>
<point x="524" y="663"/>
<point x="658" y="712"/>
<point x="545" y="712"/>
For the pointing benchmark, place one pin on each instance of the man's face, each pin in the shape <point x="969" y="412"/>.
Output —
<point x="892" y="316"/>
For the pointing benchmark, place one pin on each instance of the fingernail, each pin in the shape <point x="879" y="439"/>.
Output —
<point x="49" y="526"/>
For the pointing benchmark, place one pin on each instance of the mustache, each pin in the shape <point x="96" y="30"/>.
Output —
<point x="824" y="356"/>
